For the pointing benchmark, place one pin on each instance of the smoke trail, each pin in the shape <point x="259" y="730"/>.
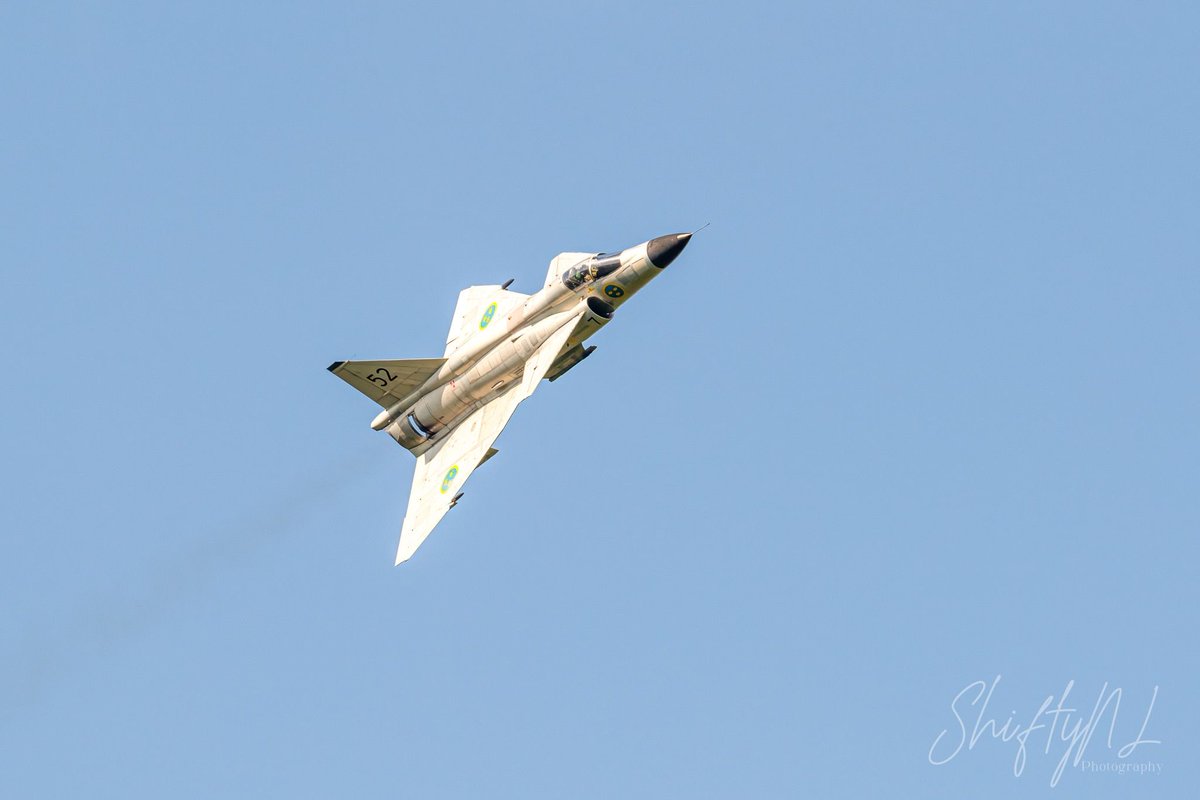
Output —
<point x="110" y="619"/>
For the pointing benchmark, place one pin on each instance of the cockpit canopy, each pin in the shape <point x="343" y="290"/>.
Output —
<point x="592" y="269"/>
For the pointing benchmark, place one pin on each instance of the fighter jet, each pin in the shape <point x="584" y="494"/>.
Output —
<point x="448" y="411"/>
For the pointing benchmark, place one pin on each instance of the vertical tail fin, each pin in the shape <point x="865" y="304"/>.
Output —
<point x="387" y="382"/>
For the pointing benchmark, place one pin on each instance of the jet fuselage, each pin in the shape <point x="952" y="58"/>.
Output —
<point x="496" y="356"/>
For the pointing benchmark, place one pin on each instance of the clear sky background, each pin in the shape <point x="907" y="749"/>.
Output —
<point x="917" y="410"/>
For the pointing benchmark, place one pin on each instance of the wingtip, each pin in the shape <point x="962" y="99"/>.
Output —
<point x="335" y="365"/>
<point x="403" y="554"/>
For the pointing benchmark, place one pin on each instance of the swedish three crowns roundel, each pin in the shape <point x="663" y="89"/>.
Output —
<point x="451" y="474"/>
<point x="486" y="319"/>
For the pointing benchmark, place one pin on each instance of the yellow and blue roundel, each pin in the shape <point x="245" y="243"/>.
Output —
<point x="485" y="320"/>
<point x="451" y="474"/>
<point x="614" y="291"/>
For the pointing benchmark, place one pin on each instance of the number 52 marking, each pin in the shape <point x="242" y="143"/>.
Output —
<point x="381" y="377"/>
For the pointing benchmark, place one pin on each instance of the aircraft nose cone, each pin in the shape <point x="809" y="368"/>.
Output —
<point x="665" y="249"/>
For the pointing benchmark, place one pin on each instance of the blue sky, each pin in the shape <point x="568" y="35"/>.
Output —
<point x="917" y="410"/>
